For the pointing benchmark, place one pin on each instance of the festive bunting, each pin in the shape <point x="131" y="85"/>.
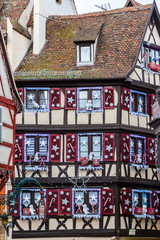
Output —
<point x="150" y="151"/>
<point x="19" y="147"/>
<point x="70" y="98"/>
<point x="108" y="96"/>
<point x="55" y="147"/>
<point x="71" y="147"/>
<point x="107" y="202"/>
<point x="127" y="202"/>
<point x="108" y="146"/>
<point x="125" y="147"/>
<point x="126" y="99"/>
<point x="55" y="98"/>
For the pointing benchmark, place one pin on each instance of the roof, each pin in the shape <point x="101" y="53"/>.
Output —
<point x="19" y="28"/>
<point x="131" y="3"/>
<point x="12" y="9"/>
<point x="118" y="44"/>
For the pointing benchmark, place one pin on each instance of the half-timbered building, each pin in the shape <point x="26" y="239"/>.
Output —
<point x="84" y="131"/>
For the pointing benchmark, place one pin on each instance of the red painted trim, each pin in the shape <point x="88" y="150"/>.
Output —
<point x="122" y="147"/>
<point x="6" y="144"/>
<point x="5" y="104"/>
<point x="2" y="87"/>
<point x="7" y="126"/>
<point x="60" y="197"/>
<point x="71" y="108"/>
<point x="67" y="147"/>
<point x="108" y="107"/>
<point x="148" y="147"/>
<point x="104" y="146"/>
<point x="128" y="191"/>
<point x="102" y="201"/>
<point x="123" y="98"/>
<point x="6" y="100"/>
<point x="54" y="135"/>
<point x="55" y="89"/>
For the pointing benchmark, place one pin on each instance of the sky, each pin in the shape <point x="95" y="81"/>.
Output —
<point x="85" y="6"/>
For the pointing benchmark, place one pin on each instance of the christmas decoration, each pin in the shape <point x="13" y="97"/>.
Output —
<point x="108" y="98"/>
<point x="126" y="99"/>
<point x="55" y="98"/>
<point x="70" y="98"/>
<point x="109" y="141"/>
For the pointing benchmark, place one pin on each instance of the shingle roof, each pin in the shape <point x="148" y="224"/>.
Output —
<point x="12" y="9"/>
<point x="117" y="47"/>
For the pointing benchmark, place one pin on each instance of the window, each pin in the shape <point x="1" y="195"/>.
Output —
<point x="151" y="54"/>
<point x="138" y="102"/>
<point x="90" y="146"/>
<point x="137" y="149"/>
<point x="142" y="205"/>
<point x="86" y="203"/>
<point x="29" y="203"/>
<point x="85" y="54"/>
<point x="36" y="148"/>
<point x="37" y="99"/>
<point x="1" y="123"/>
<point x="90" y="99"/>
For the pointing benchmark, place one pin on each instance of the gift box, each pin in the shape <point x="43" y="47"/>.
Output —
<point x="154" y="67"/>
<point x="26" y="211"/>
<point x="84" y="161"/>
<point x="150" y="211"/>
<point x="138" y="210"/>
<point x="96" y="162"/>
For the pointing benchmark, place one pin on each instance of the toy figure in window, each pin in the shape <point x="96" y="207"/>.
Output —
<point x="89" y="105"/>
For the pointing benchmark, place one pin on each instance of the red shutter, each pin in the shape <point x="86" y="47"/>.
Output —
<point x="151" y="98"/>
<point x="16" y="209"/>
<point x="71" y="147"/>
<point x="126" y="99"/>
<point x="108" y="97"/>
<point x="125" y="147"/>
<point x="70" y="98"/>
<point x="21" y="93"/>
<point x="65" y="202"/>
<point x="155" y="201"/>
<point x="19" y="147"/>
<point x="52" y="202"/>
<point x="55" y="147"/>
<point x="55" y="98"/>
<point x="150" y="151"/>
<point x="107" y="201"/>
<point x="127" y="202"/>
<point x="108" y="148"/>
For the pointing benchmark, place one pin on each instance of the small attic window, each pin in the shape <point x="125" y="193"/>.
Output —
<point x="85" y="54"/>
<point x="59" y="1"/>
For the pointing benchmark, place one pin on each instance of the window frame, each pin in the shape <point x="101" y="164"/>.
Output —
<point x="136" y="137"/>
<point x="90" y="144"/>
<point x="37" y="99"/>
<point x="32" y="193"/>
<point x="151" y="49"/>
<point x="86" y="192"/>
<point x="137" y="94"/>
<point x="79" y="53"/>
<point x="36" y="145"/>
<point x="90" y="97"/>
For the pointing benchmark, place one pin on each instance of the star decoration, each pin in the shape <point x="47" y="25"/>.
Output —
<point x="79" y="198"/>
<point x="145" y="200"/>
<point x="139" y="144"/>
<point x="43" y="143"/>
<point x="93" y="198"/>
<point x="30" y="96"/>
<point x="140" y="101"/>
<point x="126" y="99"/>
<point x="67" y="194"/>
<point x="43" y="106"/>
<point x="70" y="100"/>
<point x="84" y="143"/>
<point x="108" y="148"/>
<point x="38" y="199"/>
<point x="55" y="148"/>
<point x="64" y="201"/>
<point x="151" y="150"/>
<point x="26" y="199"/>
<point x="135" y="199"/>
<point x="28" y="142"/>
<point x="96" y="143"/>
<point x="127" y="202"/>
<point x="96" y="96"/>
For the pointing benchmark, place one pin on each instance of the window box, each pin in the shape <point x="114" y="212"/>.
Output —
<point x="154" y="67"/>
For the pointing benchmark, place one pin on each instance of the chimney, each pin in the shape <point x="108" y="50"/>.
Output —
<point x="39" y="25"/>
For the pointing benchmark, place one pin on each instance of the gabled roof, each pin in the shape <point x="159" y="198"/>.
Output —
<point x="131" y="3"/>
<point x="12" y="9"/>
<point x="19" y="28"/>
<point x="118" y="44"/>
<point x="16" y="98"/>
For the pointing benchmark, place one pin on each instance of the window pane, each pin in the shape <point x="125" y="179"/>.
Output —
<point x="135" y="199"/>
<point x="30" y="99"/>
<point x="83" y="94"/>
<point x="147" y="56"/>
<point x="30" y="148"/>
<point x="96" y="98"/>
<point x="85" y="54"/>
<point x="37" y="198"/>
<point x="43" y="147"/>
<point x="83" y="98"/>
<point x="26" y="199"/>
<point x="43" y="99"/>
<point x="152" y="55"/>
<point x="96" y="147"/>
<point x="79" y="198"/>
<point x="83" y="146"/>
<point x="141" y="103"/>
<point x="133" y="102"/>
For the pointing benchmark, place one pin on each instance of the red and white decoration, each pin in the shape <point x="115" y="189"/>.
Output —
<point x="108" y="147"/>
<point x="55" y="147"/>
<point x="127" y="202"/>
<point x="96" y="162"/>
<point x="107" y="202"/>
<point x="59" y="202"/>
<point x="16" y="209"/>
<point x="70" y="99"/>
<point x="19" y="148"/>
<point x="108" y="96"/>
<point x="55" y="98"/>
<point x="71" y="147"/>
<point x="125" y="147"/>
<point x="155" y="201"/>
<point x="153" y="66"/>
<point x="151" y="98"/>
<point x="150" y="151"/>
<point x="126" y="99"/>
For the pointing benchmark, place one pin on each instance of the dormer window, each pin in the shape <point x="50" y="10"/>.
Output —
<point x="151" y="57"/>
<point x="85" y="54"/>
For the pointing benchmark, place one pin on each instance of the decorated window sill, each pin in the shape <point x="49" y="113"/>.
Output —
<point x="139" y="166"/>
<point x="37" y="168"/>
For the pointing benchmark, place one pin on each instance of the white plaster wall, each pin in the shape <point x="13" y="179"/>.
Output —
<point x="4" y="154"/>
<point x="6" y="116"/>
<point x="156" y="35"/>
<point x="66" y="8"/>
<point x="111" y="115"/>
<point x="143" y="121"/>
<point x="133" y="119"/>
<point x="43" y="118"/>
<point x="7" y="135"/>
<point x="17" y="45"/>
<point x="71" y="116"/>
<point x="19" y="118"/>
<point x="124" y="117"/>
<point x="82" y="118"/>
<point x="57" y="117"/>
<point x="96" y="117"/>
<point x="29" y="118"/>
<point x="24" y="18"/>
